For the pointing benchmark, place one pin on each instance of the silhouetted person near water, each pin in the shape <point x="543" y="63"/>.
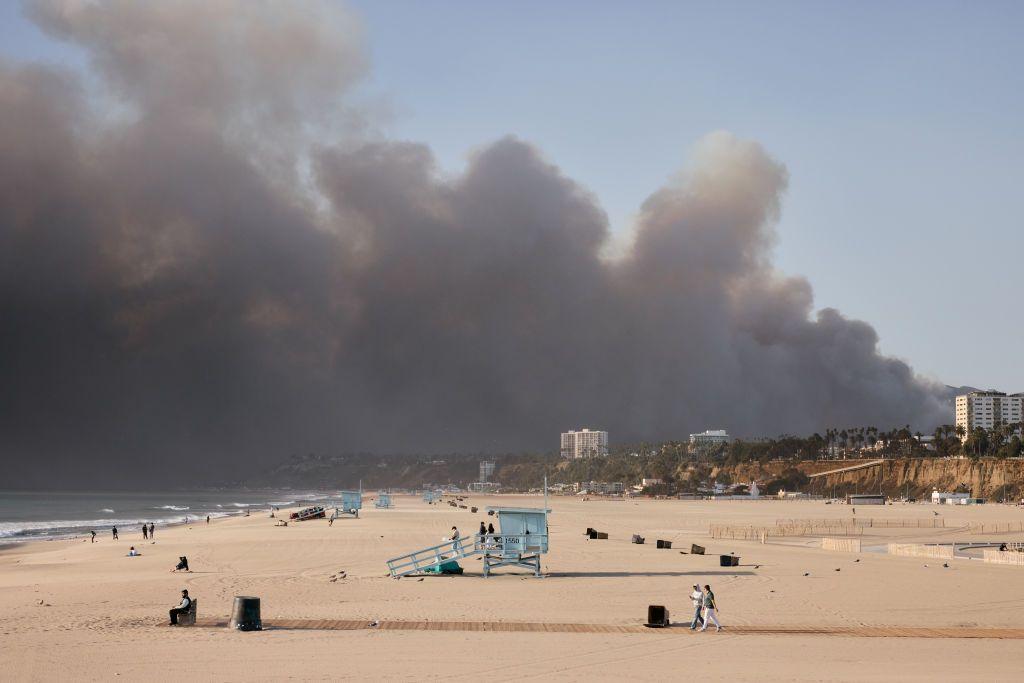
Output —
<point x="152" y="532"/>
<point x="145" y="531"/>
<point x="93" y="536"/>
<point x="114" y="530"/>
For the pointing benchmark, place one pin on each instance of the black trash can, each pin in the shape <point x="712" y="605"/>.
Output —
<point x="696" y="549"/>
<point x="245" y="614"/>
<point x="728" y="561"/>
<point x="657" y="616"/>
<point x="667" y="545"/>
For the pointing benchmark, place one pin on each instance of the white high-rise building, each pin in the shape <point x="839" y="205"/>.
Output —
<point x="709" y="437"/>
<point x="584" y="444"/>
<point x="486" y="470"/>
<point x="988" y="409"/>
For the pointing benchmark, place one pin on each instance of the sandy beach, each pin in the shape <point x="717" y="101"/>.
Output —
<point x="73" y="609"/>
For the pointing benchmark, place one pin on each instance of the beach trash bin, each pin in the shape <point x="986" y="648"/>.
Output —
<point x="657" y="616"/>
<point x="245" y="614"/>
<point x="667" y="545"/>
<point x="638" y="539"/>
<point x="696" y="549"/>
<point x="728" y="561"/>
<point x="592" y="533"/>
<point x="473" y="509"/>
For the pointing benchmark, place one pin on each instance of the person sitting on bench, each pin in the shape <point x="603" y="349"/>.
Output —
<point x="182" y="564"/>
<point x="182" y="608"/>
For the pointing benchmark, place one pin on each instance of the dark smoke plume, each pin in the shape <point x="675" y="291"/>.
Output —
<point x="204" y="263"/>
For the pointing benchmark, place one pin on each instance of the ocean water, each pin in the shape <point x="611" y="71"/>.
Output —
<point x="26" y="516"/>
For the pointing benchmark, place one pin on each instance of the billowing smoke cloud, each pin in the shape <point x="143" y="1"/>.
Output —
<point x="202" y="265"/>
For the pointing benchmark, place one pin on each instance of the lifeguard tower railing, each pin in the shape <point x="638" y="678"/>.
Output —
<point x="497" y="550"/>
<point x="383" y="500"/>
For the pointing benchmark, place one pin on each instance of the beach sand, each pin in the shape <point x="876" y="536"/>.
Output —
<point x="103" y="614"/>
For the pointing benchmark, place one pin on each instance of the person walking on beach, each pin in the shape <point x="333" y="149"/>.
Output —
<point x="182" y="607"/>
<point x="207" y="519"/>
<point x="114" y="530"/>
<point x="483" y="531"/>
<point x="455" y="537"/>
<point x="710" y="610"/>
<point x="152" y="533"/>
<point x="145" y="532"/>
<point x="698" y="604"/>
<point x="93" y="536"/>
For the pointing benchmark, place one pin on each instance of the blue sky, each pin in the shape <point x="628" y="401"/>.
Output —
<point x="900" y="124"/>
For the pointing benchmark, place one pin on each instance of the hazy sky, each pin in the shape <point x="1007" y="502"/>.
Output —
<point x="899" y="123"/>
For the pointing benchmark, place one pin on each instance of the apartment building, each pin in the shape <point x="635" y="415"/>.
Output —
<point x="584" y="443"/>
<point x="709" y="437"/>
<point x="988" y="409"/>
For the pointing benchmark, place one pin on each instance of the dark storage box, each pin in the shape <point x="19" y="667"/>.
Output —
<point x="657" y="616"/>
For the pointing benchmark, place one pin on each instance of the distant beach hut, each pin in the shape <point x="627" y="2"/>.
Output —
<point x="383" y="500"/>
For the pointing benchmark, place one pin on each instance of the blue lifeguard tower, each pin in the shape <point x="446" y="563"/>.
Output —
<point x="351" y="504"/>
<point x="522" y="539"/>
<point x="431" y="496"/>
<point x="383" y="500"/>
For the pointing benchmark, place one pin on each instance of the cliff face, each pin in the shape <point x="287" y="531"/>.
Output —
<point x="985" y="478"/>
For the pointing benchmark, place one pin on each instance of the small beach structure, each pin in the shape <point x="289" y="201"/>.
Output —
<point x="431" y="496"/>
<point x="314" y="512"/>
<point x="351" y="504"/>
<point x="521" y="540"/>
<point x="383" y="500"/>
<point x="865" y="499"/>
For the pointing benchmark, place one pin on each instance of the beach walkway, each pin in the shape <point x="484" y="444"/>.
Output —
<point x="680" y="629"/>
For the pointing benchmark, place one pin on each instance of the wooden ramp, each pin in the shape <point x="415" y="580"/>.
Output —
<point x="681" y="630"/>
<point x="851" y="468"/>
